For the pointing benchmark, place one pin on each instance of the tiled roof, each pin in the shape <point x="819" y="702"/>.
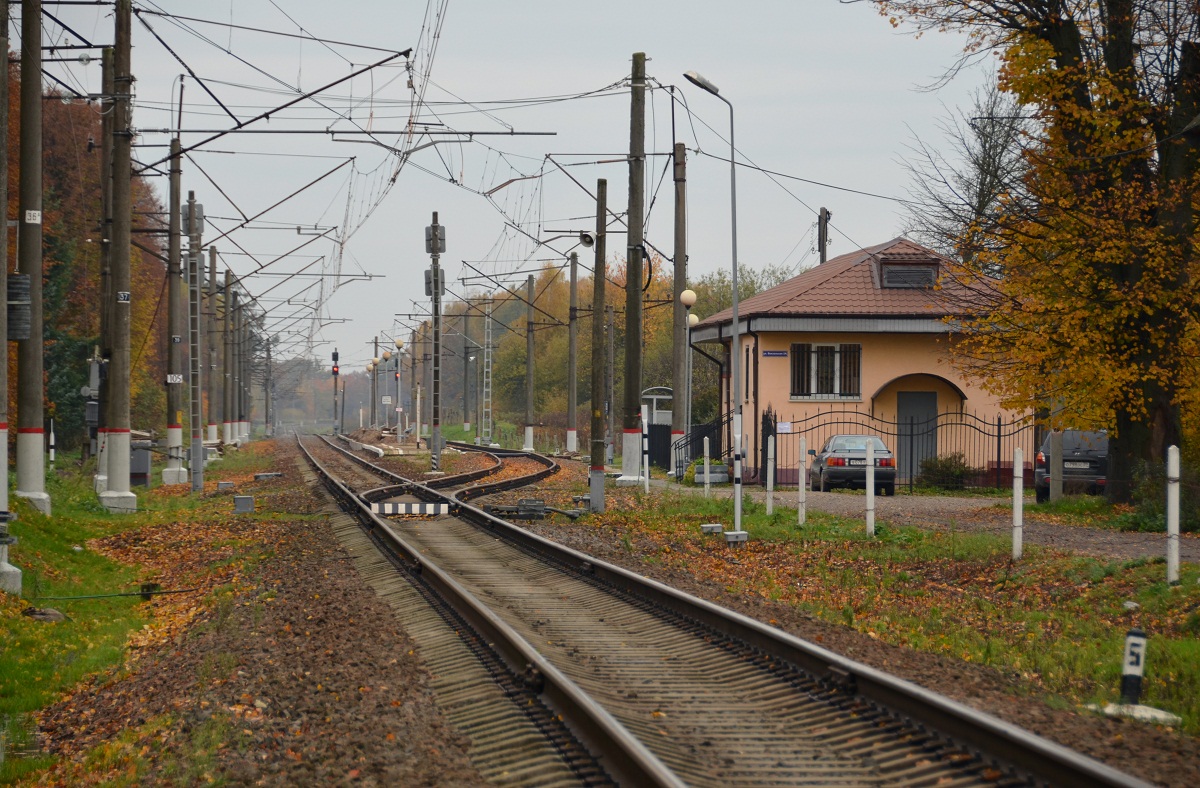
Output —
<point x="846" y="286"/>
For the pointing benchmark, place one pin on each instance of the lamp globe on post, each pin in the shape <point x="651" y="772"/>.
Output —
<point x="738" y="535"/>
<point x="688" y="299"/>
<point x="387" y="419"/>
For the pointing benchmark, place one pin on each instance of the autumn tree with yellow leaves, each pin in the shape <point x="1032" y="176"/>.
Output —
<point x="1082" y="285"/>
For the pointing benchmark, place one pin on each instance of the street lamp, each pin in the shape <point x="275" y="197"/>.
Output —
<point x="386" y="356"/>
<point x="375" y="388"/>
<point x="688" y="299"/>
<point x="735" y="350"/>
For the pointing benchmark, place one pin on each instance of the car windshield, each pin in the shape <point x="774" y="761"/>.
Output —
<point x="1079" y="440"/>
<point x="857" y="443"/>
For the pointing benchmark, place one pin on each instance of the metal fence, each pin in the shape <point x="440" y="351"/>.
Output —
<point x="952" y="450"/>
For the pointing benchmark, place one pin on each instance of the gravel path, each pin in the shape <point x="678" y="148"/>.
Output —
<point x="968" y="513"/>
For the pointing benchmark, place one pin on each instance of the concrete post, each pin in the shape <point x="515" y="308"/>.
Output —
<point x="211" y="337"/>
<point x="1018" y="504"/>
<point x="31" y="459"/>
<point x="596" y="467"/>
<point x="227" y="361"/>
<point x="118" y="497"/>
<point x="1173" y="470"/>
<point x="573" y="357"/>
<point x="679" y="327"/>
<point x="4" y="272"/>
<point x="771" y="475"/>
<point x="631" y="434"/>
<point x="802" y="493"/>
<point x="174" y="473"/>
<point x="195" y="366"/>
<point x="10" y="576"/>
<point x="107" y="128"/>
<point x="870" y="488"/>
<point x="529" y="360"/>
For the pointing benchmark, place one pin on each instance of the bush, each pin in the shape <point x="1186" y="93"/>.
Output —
<point x="948" y="472"/>
<point x="1150" y="499"/>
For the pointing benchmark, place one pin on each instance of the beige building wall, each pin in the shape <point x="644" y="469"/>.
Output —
<point x="891" y="363"/>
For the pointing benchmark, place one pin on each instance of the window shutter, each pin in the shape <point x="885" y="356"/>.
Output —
<point x="851" y="382"/>
<point x="801" y="370"/>
<point x="911" y="276"/>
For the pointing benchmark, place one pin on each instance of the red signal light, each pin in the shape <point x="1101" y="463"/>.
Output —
<point x="335" y="370"/>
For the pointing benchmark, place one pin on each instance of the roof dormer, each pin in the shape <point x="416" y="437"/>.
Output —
<point x="907" y="271"/>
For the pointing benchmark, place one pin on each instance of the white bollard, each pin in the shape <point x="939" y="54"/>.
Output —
<point x="1018" y="535"/>
<point x="870" y="488"/>
<point x="771" y="475"/>
<point x="1173" y="515"/>
<point x="802" y="494"/>
<point x="646" y="446"/>
<point x="706" y="482"/>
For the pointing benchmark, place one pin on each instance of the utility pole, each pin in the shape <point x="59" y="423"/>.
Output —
<point x="117" y="497"/>
<point x="596" y="468"/>
<point x="174" y="473"/>
<point x="467" y="371"/>
<point x="4" y="337"/>
<point x="529" y="364"/>
<point x="823" y="217"/>
<point x="485" y="436"/>
<point x="679" y="328"/>
<point x="375" y="383"/>
<point x="31" y="464"/>
<point x="107" y="129"/>
<point x="573" y="357"/>
<point x="236" y="368"/>
<point x="631" y="441"/>
<point x="227" y="361"/>
<point x="610" y="387"/>
<point x="268" y="428"/>
<point x="210" y="334"/>
<point x="245" y="357"/>
<point x="435" y="244"/>
<point x="195" y="220"/>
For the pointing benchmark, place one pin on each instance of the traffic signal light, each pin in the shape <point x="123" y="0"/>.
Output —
<point x="335" y="363"/>
<point x="335" y="370"/>
<point x="397" y="374"/>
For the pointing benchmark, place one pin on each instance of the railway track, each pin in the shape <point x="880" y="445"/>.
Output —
<point x="639" y="684"/>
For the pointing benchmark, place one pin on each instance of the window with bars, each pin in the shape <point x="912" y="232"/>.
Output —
<point x="826" y="370"/>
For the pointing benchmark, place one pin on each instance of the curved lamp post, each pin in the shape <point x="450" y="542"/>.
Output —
<point x="386" y="356"/>
<point x="688" y="299"/>
<point x="735" y="350"/>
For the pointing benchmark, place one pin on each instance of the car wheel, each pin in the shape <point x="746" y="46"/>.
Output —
<point x="824" y="483"/>
<point x="1042" y="494"/>
<point x="813" y="484"/>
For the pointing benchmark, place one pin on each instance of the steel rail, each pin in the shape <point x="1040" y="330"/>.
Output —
<point x="976" y="730"/>
<point x="621" y="754"/>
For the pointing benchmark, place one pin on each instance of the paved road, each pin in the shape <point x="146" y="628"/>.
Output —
<point x="977" y="514"/>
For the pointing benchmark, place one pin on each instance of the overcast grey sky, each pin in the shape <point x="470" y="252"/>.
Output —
<point x="822" y="91"/>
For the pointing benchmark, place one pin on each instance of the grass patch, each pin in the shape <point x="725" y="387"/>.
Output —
<point x="39" y="661"/>
<point x="1058" y="621"/>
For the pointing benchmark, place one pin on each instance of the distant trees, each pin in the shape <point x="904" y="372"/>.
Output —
<point x="71" y="284"/>
<point x="552" y="288"/>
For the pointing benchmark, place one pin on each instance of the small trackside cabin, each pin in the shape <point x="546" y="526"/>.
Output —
<point x="861" y="343"/>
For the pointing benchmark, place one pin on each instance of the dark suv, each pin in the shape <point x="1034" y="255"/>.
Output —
<point x="1085" y="463"/>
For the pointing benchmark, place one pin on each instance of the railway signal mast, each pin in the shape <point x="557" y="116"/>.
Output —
<point x="335" y="385"/>
<point x="435" y="245"/>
